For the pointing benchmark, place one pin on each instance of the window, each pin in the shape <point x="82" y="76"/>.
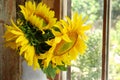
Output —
<point x="108" y="13"/>
<point x="89" y="65"/>
<point x="114" y="53"/>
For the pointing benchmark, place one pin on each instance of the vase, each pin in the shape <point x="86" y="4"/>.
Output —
<point x="29" y="74"/>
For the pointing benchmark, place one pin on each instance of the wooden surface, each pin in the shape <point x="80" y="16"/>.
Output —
<point x="9" y="60"/>
<point x="56" y="6"/>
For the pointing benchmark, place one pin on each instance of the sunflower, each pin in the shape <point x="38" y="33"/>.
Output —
<point x="44" y="12"/>
<point x="69" y="42"/>
<point x="41" y="16"/>
<point x="15" y="38"/>
<point x="28" y="9"/>
<point x="12" y="36"/>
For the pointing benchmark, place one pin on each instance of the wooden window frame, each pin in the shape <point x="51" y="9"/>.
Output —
<point x="105" y="41"/>
<point x="9" y="66"/>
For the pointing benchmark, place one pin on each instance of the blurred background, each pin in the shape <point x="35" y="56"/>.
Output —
<point x="88" y="66"/>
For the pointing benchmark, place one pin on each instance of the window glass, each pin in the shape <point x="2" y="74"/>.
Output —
<point x="89" y="65"/>
<point x="114" y="53"/>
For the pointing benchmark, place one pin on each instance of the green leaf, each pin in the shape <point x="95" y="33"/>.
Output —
<point x="62" y="67"/>
<point x="56" y="29"/>
<point x="50" y="71"/>
<point x="48" y="35"/>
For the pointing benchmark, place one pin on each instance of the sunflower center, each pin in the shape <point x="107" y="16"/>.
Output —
<point x="64" y="46"/>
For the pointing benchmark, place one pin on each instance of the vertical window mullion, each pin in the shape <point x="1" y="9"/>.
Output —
<point x="105" y="42"/>
<point x="69" y="14"/>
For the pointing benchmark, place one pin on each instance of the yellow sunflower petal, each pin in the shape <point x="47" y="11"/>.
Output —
<point x="36" y="21"/>
<point x="73" y="53"/>
<point x="81" y="46"/>
<point x="30" y="5"/>
<point x="10" y="37"/>
<point x="66" y="38"/>
<point x="23" y="49"/>
<point x="58" y="61"/>
<point x="15" y="27"/>
<point x="29" y="54"/>
<point x="46" y="14"/>
<point x="57" y="39"/>
<point x="69" y="21"/>
<point x="24" y="12"/>
<point x="11" y="45"/>
<point x="16" y="32"/>
<point x="35" y="63"/>
<point x="20" y="38"/>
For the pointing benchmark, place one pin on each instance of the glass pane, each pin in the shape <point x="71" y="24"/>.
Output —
<point x="114" y="55"/>
<point x="89" y="65"/>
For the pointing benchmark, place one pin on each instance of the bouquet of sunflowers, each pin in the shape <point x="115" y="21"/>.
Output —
<point x="43" y="41"/>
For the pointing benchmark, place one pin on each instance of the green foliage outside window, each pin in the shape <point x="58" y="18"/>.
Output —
<point x="89" y="65"/>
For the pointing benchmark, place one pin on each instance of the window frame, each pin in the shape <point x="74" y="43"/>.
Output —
<point x="105" y="41"/>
